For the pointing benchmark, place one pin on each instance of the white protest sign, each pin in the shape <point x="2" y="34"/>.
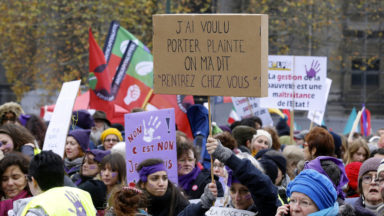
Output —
<point x="295" y="82"/>
<point x="250" y="106"/>
<point x="220" y="211"/>
<point x="57" y="131"/>
<point x="317" y="115"/>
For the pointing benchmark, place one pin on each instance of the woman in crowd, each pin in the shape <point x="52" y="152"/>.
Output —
<point x="13" y="168"/>
<point x="358" y="151"/>
<point x="261" y="140"/>
<point x="334" y="170"/>
<point x="318" y="142"/>
<point x="352" y="171"/>
<point x="75" y="147"/>
<point x="250" y="189"/>
<point x="294" y="154"/>
<point x="109" y="138"/>
<point x="191" y="178"/>
<point x="113" y="172"/>
<point x="165" y="199"/>
<point x="14" y="137"/>
<point x="310" y="193"/>
<point x="88" y="178"/>
<point x="370" y="197"/>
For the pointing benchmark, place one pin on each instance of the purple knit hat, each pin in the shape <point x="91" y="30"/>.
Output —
<point x="82" y="137"/>
<point x="316" y="165"/>
<point x="99" y="154"/>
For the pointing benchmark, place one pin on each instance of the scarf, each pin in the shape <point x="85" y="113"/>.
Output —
<point x="185" y="180"/>
<point x="72" y="165"/>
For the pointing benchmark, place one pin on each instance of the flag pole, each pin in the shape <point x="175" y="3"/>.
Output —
<point x="313" y="119"/>
<point x="210" y="134"/>
<point x="355" y="123"/>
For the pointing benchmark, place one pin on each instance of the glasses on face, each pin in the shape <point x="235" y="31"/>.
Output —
<point x="111" y="140"/>
<point x="380" y="180"/>
<point x="218" y="165"/>
<point x="367" y="179"/>
<point x="302" y="203"/>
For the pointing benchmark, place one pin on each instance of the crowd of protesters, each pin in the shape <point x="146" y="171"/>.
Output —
<point x="254" y="168"/>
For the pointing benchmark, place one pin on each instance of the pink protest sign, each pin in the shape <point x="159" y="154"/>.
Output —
<point x="150" y="134"/>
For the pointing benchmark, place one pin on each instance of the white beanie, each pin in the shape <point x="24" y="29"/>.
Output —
<point x="261" y="132"/>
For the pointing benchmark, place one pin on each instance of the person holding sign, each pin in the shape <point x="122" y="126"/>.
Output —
<point x="165" y="199"/>
<point x="253" y="185"/>
<point x="191" y="178"/>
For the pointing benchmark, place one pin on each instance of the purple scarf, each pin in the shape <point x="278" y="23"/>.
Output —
<point x="316" y="165"/>
<point x="185" y="180"/>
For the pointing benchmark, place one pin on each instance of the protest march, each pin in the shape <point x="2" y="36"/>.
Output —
<point x="139" y="142"/>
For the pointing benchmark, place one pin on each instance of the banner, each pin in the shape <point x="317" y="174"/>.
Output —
<point x="317" y="115"/>
<point x="58" y="127"/>
<point x="150" y="134"/>
<point x="296" y="82"/>
<point x="133" y="79"/>
<point x="211" y="55"/>
<point x="249" y="106"/>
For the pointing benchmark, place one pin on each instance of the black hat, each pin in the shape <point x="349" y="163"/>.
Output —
<point x="100" y="115"/>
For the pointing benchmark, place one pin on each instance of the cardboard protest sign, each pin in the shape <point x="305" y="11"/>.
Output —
<point x="205" y="54"/>
<point x="216" y="211"/>
<point x="57" y="130"/>
<point x="249" y="106"/>
<point x="296" y="82"/>
<point x="317" y="115"/>
<point x="151" y="134"/>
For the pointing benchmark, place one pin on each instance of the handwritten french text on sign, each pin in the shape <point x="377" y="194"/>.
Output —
<point x="57" y="131"/>
<point x="250" y="106"/>
<point x="317" y="116"/>
<point x="220" y="211"/>
<point x="201" y="54"/>
<point x="296" y="82"/>
<point x="150" y="134"/>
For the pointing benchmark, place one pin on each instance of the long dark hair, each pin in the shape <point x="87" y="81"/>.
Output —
<point x="19" y="135"/>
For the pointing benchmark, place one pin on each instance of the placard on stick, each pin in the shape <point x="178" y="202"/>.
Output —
<point x="213" y="55"/>
<point x="150" y="134"/>
<point x="57" y="130"/>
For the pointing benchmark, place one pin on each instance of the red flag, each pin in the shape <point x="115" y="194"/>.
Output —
<point x="99" y="79"/>
<point x="288" y="113"/>
<point x="365" y="122"/>
<point x="177" y="102"/>
<point x="131" y="65"/>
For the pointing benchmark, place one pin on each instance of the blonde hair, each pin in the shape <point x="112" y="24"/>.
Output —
<point x="354" y="146"/>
